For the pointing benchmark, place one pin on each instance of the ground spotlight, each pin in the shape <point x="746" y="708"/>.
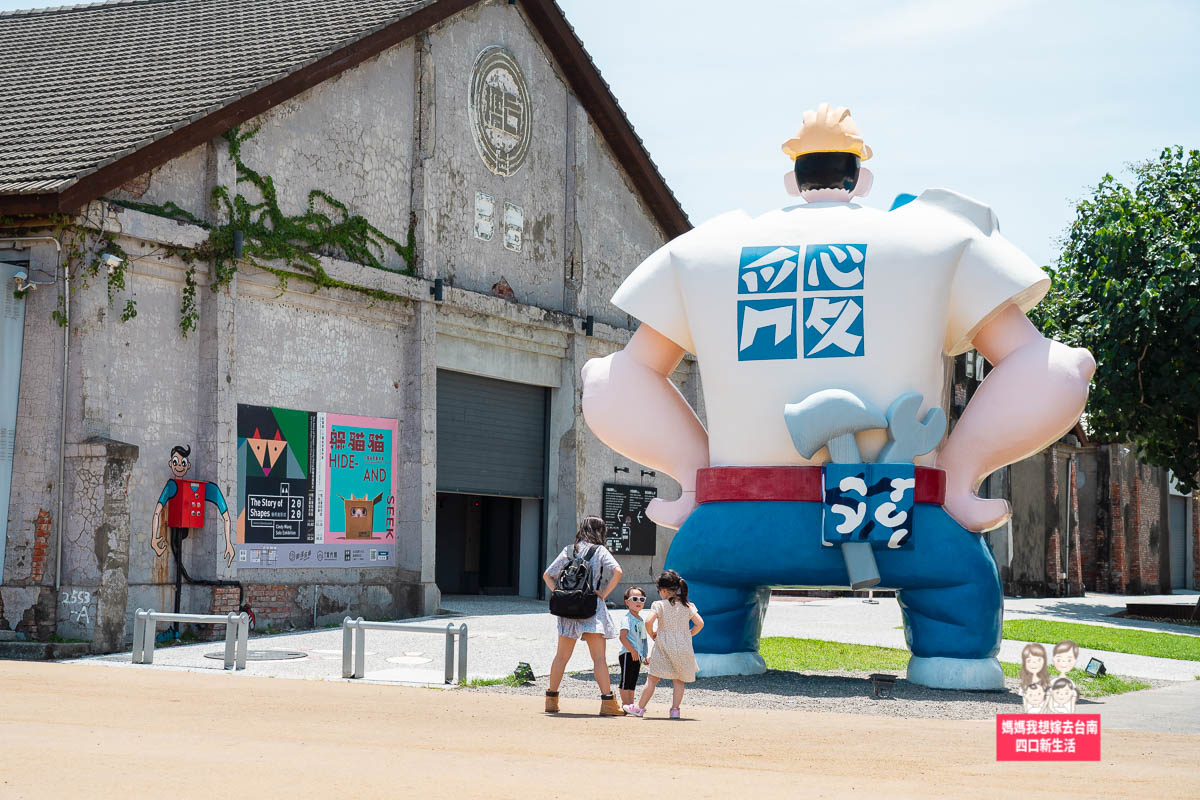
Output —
<point x="1095" y="668"/>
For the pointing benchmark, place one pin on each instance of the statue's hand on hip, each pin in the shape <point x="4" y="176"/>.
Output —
<point x="672" y="513"/>
<point x="973" y="512"/>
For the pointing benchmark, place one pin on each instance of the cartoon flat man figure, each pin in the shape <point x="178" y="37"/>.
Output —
<point x="184" y="501"/>
<point x="827" y="295"/>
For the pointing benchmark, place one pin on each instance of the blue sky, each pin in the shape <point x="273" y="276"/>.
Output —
<point x="1023" y="105"/>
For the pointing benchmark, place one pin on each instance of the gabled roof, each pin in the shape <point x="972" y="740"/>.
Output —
<point x="94" y="95"/>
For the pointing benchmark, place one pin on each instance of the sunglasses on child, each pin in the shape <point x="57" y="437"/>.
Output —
<point x="637" y="599"/>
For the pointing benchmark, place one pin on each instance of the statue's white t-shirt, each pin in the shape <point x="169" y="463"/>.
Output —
<point x="827" y="295"/>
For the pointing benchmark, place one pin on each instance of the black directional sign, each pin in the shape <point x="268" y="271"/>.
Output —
<point x="630" y="531"/>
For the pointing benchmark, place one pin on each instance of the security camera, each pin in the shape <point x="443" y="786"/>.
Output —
<point x="110" y="262"/>
<point x="21" y="279"/>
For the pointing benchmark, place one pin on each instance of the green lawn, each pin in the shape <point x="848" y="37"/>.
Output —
<point x="507" y="680"/>
<point x="799" y="655"/>
<point x="1096" y="637"/>
<point x="817" y="655"/>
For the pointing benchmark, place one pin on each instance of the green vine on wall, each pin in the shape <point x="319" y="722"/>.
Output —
<point x="83" y="252"/>
<point x="269" y="235"/>
<point x="292" y="244"/>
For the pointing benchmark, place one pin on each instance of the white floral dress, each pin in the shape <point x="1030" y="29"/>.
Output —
<point x="600" y="622"/>
<point x="673" y="657"/>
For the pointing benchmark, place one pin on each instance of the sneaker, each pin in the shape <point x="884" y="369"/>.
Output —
<point x="674" y="713"/>
<point x="633" y="710"/>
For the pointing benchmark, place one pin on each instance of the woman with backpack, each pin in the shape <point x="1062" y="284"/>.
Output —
<point x="587" y="570"/>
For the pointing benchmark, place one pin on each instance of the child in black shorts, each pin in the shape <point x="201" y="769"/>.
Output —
<point x="635" y="647"/>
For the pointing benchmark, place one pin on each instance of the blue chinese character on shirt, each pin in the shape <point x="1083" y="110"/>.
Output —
<point x="768" y="270"/>
<point x="833" y="327"/>
<point x="834" y="267"/>
<point x="766" y="329"/>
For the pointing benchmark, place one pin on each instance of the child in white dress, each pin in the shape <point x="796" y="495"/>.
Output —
<point x="668" y="626"/>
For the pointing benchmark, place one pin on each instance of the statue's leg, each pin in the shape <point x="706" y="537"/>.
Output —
<point x="952" y="601"/>
<point x="730" y="554"/>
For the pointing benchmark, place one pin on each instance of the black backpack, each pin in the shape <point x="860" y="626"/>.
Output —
<point x="574" y="595"/>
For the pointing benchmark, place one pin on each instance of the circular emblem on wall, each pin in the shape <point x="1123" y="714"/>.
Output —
<point x="501" y="114"/>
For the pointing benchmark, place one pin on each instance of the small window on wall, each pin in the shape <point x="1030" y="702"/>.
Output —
<point x="974" y="365"/>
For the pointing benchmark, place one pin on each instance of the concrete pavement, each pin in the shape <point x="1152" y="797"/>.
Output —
<point x="505" y="630"/>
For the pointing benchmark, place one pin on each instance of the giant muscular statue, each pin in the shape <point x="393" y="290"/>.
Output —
<point x="821" y="330"/>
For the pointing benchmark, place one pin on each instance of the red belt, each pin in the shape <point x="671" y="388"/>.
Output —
<point x="795" y="484"/>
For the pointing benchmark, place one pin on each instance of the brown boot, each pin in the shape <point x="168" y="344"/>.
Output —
<point x="551" y="702"/>
<point x="609" y="707"/>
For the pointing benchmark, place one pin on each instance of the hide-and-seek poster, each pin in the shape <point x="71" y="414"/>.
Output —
<point x="315" y="489"/>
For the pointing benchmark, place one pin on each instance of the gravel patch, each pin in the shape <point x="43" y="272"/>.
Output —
<point x="841" y="691"/>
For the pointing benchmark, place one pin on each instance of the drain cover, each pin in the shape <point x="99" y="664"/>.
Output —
<point x="261" y="655"/>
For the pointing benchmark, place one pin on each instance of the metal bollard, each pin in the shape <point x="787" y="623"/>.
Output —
<point x="232" y="628"/>
<point x="243" y="640"/>
<point x="462" y="653"/>
<point x="347" y="648"/>
<point x="139" y="633"/>
<point x="450" y="652"/>
<point x="360" y="653"/>
<point x="148" y="638"/>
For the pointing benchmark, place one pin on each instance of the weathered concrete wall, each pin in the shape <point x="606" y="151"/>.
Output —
<point x="185" y="180"/>
<point x="1033" y="517"/>
<point x="615" y="238"/>
<point x="27" y="598"/>
<point x="329" y="352"/>
<point x="95" y="591"/>
<point x="1047" y="558"/>
<point x="1112" y="506"/>
<point x="393" y="139"/>
<point x="350" y="137"/>
<point x="584" y="226"/>
<point x="454" y="171"/>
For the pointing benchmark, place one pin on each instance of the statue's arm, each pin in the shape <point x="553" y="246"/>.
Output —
<point x="1034" y="394"/>
<point x="631" y="405"/>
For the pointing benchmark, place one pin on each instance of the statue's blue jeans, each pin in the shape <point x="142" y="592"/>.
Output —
<point x="947" y="584"/>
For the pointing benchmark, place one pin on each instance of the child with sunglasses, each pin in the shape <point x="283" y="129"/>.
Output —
<point x="634" y="644"/>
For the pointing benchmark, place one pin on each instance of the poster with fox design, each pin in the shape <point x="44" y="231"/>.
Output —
<point x="315" y="489"/>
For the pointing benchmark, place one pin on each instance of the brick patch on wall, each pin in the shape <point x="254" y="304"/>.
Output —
<point x="278" y="606"/>
<point x="41" y="546"/>
<point x="224" y="599"/>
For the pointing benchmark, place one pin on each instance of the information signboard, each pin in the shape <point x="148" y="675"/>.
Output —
<point x="630" y="531"/>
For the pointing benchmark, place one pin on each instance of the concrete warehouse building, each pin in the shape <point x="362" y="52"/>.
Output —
<point x="473" y="195"/>
<point x="352" y="255"/>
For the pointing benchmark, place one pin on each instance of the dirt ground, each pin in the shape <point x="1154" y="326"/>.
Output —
<point x="73" y="730"/>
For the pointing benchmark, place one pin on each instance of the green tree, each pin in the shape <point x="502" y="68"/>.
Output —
<point x="1127" y="287"/>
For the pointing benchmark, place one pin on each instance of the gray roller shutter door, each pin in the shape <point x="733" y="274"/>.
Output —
<point x="491" y="436"/>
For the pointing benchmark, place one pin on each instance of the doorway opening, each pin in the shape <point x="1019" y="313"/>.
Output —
<point x="487" y="544"/>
